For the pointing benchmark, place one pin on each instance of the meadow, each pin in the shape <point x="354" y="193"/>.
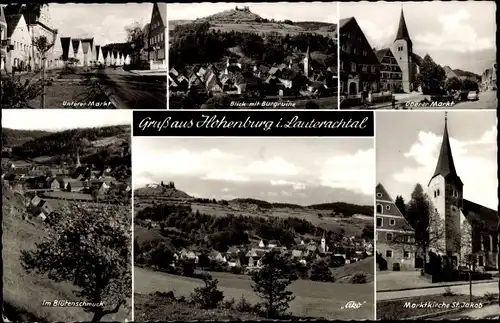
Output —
<point x="312" y="299"/>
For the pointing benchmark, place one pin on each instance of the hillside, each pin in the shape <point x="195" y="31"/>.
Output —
<point x="365" y="266"/>
<point x="231" y="15"/>
<point x="97" y="145"/>
<point x="15" y="137"/>
<point x="460" y="72"/>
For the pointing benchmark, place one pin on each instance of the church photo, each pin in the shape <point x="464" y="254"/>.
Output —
<point x="396" y="55"/>
<point x="437" y="223"/>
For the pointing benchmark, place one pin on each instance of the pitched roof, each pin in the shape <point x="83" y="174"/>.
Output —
<point x="381" y="53"/>
<point x="85" y="46"/>
<point x="479" y="214"/>
<point x="2" y="16"/>
<point x="445" y="165"/>
<point x="65" y="41"/>
<point x="385" y="200"/>
<point x="12" y="22"/>
<point x="402" y="29"/>
<point x="162" y="8"/>
<point x="76" y="43"/>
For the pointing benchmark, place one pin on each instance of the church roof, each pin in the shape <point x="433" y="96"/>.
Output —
<point x="2" y="16"/>
<point x="445" y="165"/>
<point x="480" y="215"/>
<point x="402" y="29"/>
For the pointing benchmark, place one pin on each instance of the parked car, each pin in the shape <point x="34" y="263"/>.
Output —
<point x="473" y="96"/>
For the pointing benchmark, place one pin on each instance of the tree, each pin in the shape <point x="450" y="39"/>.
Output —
<point x="321" y="272"/>
<point x="428" y="226"/>
<point x="208" y="296"/>
<point x="16" y="94"/>
<point x="92" y="250"/>
<point x="453" y="84"/>
<point x="431" y="76"/>
<point x="400" y="203"/>
<point x="466" y="240"/>
<point x="43" y="45"/>
<point x="271" y="283"/>
<point x="136" y="38"/>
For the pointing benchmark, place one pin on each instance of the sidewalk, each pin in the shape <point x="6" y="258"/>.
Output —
<point x="449" y="284"/>
<point x="150" y="72"/>
<point x="489" y="311"/>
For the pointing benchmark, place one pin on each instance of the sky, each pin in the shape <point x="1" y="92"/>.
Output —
<point x="289" y="170"/>
<point x="410" y="157"/>
<point x="297" y="11"/>
<point x="460" y="34"/>
<point x="59" y="120"/>
<point x="105" y="22"/>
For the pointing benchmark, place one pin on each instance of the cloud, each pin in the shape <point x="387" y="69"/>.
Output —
<point x="296" y="185"/>
<point x="225" y="176"/>
<point x="476" y="171"/>
<point x="456" y="34"/>
<point x="354" y="172"/>
<point x="379" y="35"/>
<point x="274" y="166"/>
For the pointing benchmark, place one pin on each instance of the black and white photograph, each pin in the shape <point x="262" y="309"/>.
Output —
<point x="66" y="215"/>
<point x="418" y="55"/>
<point x="253" y="55"/>
<point x="253" y="228"/>
<point x="436" y="210"/>
<point x="83" y="56"/>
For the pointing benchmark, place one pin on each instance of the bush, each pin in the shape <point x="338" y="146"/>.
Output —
<point x="358" y="278"/>
<point x="490" y="296"/>
<point x="208" y="296"/>
<point x="229" y="304"/>
<point x="448" y="292"/>
<point x="244" y="306"/>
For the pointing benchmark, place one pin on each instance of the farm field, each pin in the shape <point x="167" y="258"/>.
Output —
<point x="312" y="299"/>
<point x="69" y="195"/>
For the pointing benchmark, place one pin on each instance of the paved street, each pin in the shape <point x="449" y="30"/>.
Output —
<point x="489" y="311"/>
<point x="477" y="290"/>
<point x="132" y="91"/>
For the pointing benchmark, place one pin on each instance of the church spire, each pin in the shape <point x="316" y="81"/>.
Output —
<point x="402" y="29"/>
<point x="445" y="165"/>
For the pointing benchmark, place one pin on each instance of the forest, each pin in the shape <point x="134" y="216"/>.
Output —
<point x="197" y="43"/>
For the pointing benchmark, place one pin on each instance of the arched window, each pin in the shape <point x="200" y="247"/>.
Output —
<point x="379" y="208"/>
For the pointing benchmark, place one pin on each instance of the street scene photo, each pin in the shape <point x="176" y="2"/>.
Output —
<point x="418" y="55"/>
<point x="437" y="224"/>
<point x="253" y="55"/>
<point x="83" y="56"/>
<point x="253" y="229"/>
<point x="66" y="216"/>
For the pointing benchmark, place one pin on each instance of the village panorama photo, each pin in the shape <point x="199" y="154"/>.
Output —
<point x="253" y="228"/>
<point x="253" y="55"/>
<point x="66" y="215"/>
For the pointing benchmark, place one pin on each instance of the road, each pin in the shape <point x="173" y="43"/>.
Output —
<point x="477" y="290"/>
<point x="133" y="91"/>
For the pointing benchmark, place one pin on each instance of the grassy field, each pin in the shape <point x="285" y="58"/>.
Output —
<point x="343" y="274"/>
<point x="25" y="292"/>
<point x="69" y="195"/>
<point x="312" y="299"/>
<point x="153" y="307"/>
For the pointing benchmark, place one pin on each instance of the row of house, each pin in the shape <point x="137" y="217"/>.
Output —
<point x="20" y="25"/>
<point x="85" y="53"/>
<point x="251" y="257"/>
<point x="489" y="78"/>
<point x="304" y="77"/>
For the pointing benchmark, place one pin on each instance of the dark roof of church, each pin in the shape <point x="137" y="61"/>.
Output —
<point x="480" y="215"/>
<point x="402" y="29"/>
<point x="445" y="165"/>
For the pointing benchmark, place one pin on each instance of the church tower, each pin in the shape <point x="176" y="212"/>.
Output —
<point x="307" y="63"/>
<point x="402" y="49"/>
<point x="323" y="243"/>
<point x="446" y="192"/>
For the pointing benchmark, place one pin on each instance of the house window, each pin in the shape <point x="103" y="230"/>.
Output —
<point x="343" y="48"/>
<point x="435" y="194"/>
<point x="387" y="207"/>
<point x="379" y="222"/>
<point x="364" y="67"/>
<point x="365" y="53"/>
<point x="406" y="254"/>
<point x="353" y="67"/>
<point x="388" y="236"/>
<point x="379" y="208"/>
<point x="355" y="51"/>
<point x="379" y="194"/>
<point x="392" y="222"/>
<point x="406" y="239"/>
<point x="388" y="253"/>
<point x="373" y="69"/>
<point x="341" y="65"/>
<point x="348" y="35"/>
<point x="438" y="192"/>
